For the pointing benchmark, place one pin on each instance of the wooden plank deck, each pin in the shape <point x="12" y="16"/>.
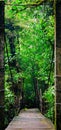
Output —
<point x="30" y="119"/>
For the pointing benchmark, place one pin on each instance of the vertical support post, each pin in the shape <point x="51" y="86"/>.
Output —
<point x="58" y="64"/>
<point x="1" y="65"/>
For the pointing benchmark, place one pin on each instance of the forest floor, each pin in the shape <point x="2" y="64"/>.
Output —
<point x="30" y="119"/>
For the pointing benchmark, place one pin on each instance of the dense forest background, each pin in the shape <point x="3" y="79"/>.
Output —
<point x="29" y="57"/>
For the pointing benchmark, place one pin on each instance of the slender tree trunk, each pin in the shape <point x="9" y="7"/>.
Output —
<point x="9" y="63"/>
<point x="37" y="100"/>
<point x="1" y="65"/>
<point x="51" y="64"/>
<point x="58" y="65"/>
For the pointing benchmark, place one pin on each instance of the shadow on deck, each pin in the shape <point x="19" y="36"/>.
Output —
<point x="30" y="119"/>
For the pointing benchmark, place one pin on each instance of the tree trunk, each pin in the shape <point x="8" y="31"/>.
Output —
<point x="58" y="65"/>
<point x="37" y="100"/>
<point x="1" y="65"/>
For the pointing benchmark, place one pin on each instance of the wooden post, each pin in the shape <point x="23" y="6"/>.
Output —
<point x="1" y="65"/>
<point x="58" y="64"/>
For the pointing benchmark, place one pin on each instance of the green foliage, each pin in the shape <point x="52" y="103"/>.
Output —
<point x="30" y="42"/>
<point x="9" y="100"/>
<point x="48" y="96"/>
<point x="29" y="94"/>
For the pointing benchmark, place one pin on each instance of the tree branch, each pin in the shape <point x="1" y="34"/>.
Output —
<point x="39" y="2"/>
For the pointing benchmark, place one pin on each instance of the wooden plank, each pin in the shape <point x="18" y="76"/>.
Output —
<point x="30" y="119"/>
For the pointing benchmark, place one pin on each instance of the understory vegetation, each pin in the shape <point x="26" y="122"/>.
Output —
<point x="29" y="57"/>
